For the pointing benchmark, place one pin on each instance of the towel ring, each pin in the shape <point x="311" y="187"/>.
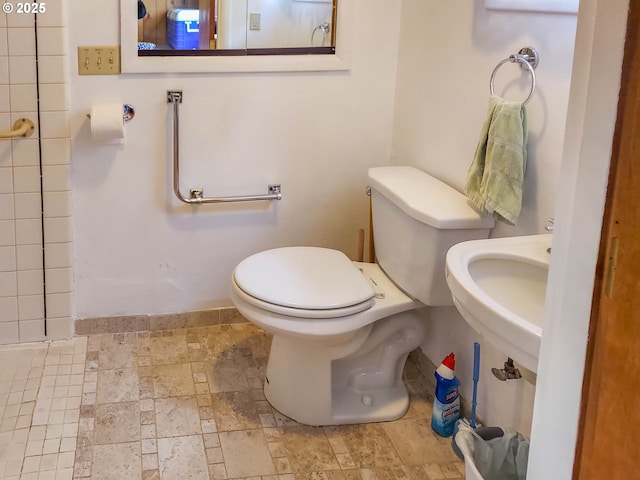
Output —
<point x="525" y="60"/>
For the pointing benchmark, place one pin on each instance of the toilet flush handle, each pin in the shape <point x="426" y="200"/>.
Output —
<point x="377" y="293"/>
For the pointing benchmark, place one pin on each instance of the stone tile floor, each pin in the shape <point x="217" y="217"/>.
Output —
<point x="40" y="396"/>
<point x="187" y="404"/>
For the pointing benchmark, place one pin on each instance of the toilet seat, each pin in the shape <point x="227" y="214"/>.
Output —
<point x="309" y="282"/>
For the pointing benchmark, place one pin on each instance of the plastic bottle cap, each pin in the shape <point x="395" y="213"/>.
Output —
<point x="450" y="361"/>
<point x="446" y="368"/>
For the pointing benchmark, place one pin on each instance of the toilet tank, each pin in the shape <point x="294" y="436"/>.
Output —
<point x="416" y="219"/>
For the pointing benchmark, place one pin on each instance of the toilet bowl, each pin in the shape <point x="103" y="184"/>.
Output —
<point x="328" y="365"/>
<point x="342" y="330"/>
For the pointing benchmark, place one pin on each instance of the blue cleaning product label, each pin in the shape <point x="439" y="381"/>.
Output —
<point x="446" y="406"/>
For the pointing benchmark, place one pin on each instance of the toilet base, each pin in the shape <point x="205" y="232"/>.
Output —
<point x="363" y="407"/>
<point x="357" y="381"/>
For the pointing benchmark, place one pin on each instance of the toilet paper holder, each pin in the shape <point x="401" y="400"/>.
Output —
<point x="128" y="112"/>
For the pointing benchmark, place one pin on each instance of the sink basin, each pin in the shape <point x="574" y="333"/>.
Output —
<point x="498" y="286"/>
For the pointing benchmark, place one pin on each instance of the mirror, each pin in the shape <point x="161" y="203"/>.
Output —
<point x="234" y="35"/>
<point x="235" y="27"/>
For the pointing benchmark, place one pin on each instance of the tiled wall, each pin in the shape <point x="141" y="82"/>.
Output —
<point x="21" y="254"/>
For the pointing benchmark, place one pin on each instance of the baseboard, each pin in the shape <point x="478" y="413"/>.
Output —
<point x="165" y="321"/>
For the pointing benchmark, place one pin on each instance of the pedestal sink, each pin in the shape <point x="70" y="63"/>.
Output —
<point x="498" y="286"/>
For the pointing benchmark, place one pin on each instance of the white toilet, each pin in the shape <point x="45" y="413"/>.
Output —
<point x="342" y="330"/>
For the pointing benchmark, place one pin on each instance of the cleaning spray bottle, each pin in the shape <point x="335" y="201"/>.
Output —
<point x="446" y="404"/>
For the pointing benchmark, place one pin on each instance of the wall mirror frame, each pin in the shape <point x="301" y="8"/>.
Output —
<point x="132" y="63"/>
<point x="552" y="6"/>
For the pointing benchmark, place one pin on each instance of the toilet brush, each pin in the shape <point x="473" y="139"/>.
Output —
<point x="476" y="376"/>
<point x="486" y="433"/>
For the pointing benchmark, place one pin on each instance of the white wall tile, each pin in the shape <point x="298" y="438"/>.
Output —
<point x="29" y="231"/>
<point x="59" y="328"/>
<point x="5" y="154"/>
<point x="32" y="331"/>
<point x="59" y="280"/>
<point x="54" y="97"/>
<point x="21" y="41"/>
<point x="27" y="205"/>
<point x="25" y="152"/>
<point x="7" y="233"/>
<point x="6" y="206"/>
<point x="56" y="178"/>
<point x="8" y="309"/>
<point x="5" y="105"/>
<point x="5" y="121"/>
<point x="51" y="41"/>
<point x="56" y="151"/>
<point x="8" y="284"/>
<point x="54" y="16"/>
<point x="9" y="333"/>
<point x="30" y="282"/>
<point x="52" y="69"/>
<point x="55" y="124"/>
<point x="22" y="69"/>
<point x="58" y="255"/>
<point x="28" y="257"/>
<point x="58" y="229"/>
<point x="57" y="204"/>
<point x="20" y="19"/>
<point x="6" y="180"/>
<point x="59" y="305"/>
<point x="30" y="307"/>
<point x="26" y="179"/>
<point x="7" y="258"/>
<point x="4" y="68"/>
<point x="4" y="46"/>
<point x="22" y="177"/>
<point x="23" y="97"/>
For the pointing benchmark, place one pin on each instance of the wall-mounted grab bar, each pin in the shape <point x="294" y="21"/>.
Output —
<point x="22" y="128"/>
<point x="196" y="194"/>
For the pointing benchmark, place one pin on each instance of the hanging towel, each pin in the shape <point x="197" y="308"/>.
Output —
<point x="494" y="179"/>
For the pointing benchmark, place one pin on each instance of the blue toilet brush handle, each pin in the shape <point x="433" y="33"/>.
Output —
<point x="476" y="377"/>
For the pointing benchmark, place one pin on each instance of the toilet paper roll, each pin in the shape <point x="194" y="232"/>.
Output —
<point x="107" y="123"/>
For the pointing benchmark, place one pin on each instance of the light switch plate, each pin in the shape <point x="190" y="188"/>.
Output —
<point x="99" y="60"/>
<point x="254" y="21"/>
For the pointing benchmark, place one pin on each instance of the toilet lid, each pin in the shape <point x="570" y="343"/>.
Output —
<point x="309" y="278"/>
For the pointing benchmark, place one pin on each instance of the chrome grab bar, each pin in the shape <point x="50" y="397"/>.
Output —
<point x="22" y="128"/>
<point x="197" y="194"/>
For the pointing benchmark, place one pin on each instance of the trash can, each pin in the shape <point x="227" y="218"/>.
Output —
<point x="491" y="453"/>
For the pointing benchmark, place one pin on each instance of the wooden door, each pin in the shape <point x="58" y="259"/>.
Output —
<point x="608" y="445"/>
<point x="206" y="36"/>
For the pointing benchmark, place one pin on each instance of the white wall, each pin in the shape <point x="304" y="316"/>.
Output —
<point x="138" y="250"/>
<point x="584" y="175"/>
<point x="447" y="53"/>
